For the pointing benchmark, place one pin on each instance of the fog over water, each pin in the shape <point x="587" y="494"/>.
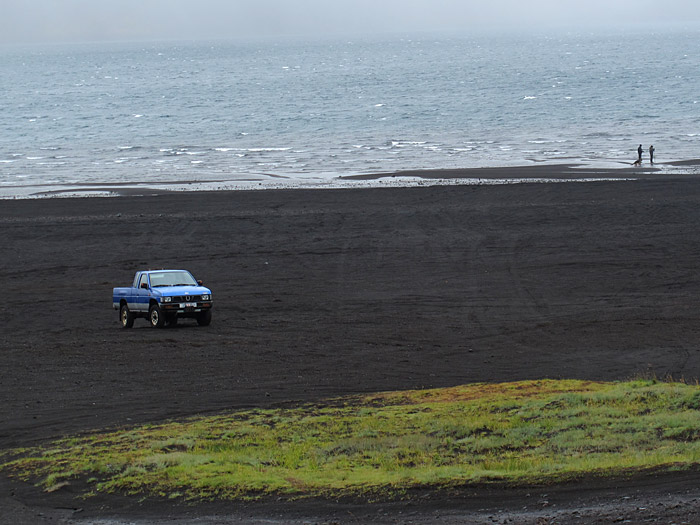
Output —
<point x="87" y="20"/>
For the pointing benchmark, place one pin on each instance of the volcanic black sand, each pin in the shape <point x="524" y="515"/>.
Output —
<point x="322" y="293"/>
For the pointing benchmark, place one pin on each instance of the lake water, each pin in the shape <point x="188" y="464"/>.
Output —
<point x="306" y="112"/>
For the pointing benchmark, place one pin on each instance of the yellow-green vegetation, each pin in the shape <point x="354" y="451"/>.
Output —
<point x="383" y="444"/>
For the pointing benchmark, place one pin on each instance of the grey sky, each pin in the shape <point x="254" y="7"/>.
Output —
<point x="87" y="20"/>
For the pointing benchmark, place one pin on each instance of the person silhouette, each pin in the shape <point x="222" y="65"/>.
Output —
<point x="639" y="152"/>
<point x="651" y="154"/>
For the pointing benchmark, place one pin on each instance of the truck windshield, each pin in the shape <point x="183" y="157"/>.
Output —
<point x="172" y="279"/>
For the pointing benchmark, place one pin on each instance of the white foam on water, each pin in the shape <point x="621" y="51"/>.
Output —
<point x="259" y="150"/>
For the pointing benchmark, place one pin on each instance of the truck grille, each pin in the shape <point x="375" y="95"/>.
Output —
<point x="186" y="298"/>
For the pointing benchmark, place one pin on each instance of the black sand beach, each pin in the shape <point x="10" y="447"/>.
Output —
<point x="322" y="293"/>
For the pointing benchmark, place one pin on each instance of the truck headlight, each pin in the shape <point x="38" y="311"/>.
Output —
<point x="167" y="299"/>
<point x="206" y="297"/>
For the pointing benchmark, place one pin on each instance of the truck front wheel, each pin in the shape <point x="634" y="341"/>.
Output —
<point x="204" y="318"/>
<point x="155" y="317"/>
<point x="126" y="317"/>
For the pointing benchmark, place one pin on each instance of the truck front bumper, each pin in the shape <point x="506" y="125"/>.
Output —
<point x="185" y="308"/>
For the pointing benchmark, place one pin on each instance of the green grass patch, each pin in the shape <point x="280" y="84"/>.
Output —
<point x="383" y="444"/>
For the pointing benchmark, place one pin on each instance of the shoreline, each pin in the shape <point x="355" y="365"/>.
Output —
<point x="546" y="173"/>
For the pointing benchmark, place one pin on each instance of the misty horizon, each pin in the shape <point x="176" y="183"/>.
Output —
<point x="129" y="20"/>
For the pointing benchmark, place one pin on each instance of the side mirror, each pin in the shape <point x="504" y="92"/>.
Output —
<point x="144" y="285"/>
<point x="199" y="283"/>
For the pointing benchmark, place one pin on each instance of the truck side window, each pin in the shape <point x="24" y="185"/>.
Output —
<point x="144" y="279"/>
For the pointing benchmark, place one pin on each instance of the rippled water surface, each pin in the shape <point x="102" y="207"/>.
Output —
<point x="314" y="110"/>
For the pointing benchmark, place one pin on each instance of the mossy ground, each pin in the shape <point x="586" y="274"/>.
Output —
<point x="382" y="444"/>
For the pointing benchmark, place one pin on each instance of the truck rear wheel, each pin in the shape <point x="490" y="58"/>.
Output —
<point x="126" y="317"/>
<point x="155" y="317"/>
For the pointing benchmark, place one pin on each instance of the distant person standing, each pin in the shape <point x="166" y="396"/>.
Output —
<point x="651" y="154"/>
<point x="639" y="152"/>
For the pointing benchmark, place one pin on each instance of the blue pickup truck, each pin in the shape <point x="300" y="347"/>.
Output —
<point x="163" y="296"/>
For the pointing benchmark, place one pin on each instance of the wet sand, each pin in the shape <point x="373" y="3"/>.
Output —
<point x="322" y="293"/>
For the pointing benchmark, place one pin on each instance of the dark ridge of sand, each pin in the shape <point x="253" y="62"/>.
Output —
<point x="544" y="171"/>
<point x="689" y="162"/>
<point x="326" y="293"/>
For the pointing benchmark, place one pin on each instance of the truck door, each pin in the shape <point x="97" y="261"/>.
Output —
<point x="142" y="294"/>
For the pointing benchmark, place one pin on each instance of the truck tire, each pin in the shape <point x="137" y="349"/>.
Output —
<point x="204" y="318"/>
<point x="126" y="317"/>
<point x="155" y="317"/>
